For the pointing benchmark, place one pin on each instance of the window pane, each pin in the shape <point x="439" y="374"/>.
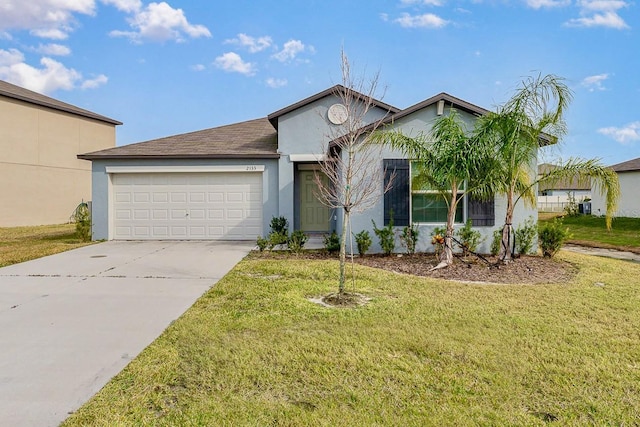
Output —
<point x="432" y="208"/>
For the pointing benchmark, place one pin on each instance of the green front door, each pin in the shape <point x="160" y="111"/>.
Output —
<point x="314" y="216"/>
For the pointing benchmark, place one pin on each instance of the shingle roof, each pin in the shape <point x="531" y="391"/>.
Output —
<point x="253" y="138"/>
<point x="574" y="183"/>
<point x="628" y="166"/>
<point x="16" y="92"/>
<point x="273" y="117"/>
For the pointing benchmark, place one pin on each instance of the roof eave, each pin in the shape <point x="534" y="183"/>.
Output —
<point x="88" y="115"/>
<point x="91" y="157"/>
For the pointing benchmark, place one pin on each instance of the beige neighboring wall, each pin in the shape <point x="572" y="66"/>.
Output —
<point x="41" y="180"/>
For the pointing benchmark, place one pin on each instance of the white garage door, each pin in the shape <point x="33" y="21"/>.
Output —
<point x="176" y="206"/>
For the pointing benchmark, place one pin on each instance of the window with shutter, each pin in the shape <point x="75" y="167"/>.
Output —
<point x="481" y="212"/>
<point x="397" y="198"/>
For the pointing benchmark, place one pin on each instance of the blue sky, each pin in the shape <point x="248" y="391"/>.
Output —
<point x="164" y="68"/>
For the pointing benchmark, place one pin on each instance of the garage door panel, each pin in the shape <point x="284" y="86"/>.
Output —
<point x="187" y="206"/>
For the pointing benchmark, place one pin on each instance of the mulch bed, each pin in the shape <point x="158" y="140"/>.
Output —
<point x="525" y="269"/>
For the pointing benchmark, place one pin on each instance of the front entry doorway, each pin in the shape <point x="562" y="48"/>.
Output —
<point x="314" y="216"/>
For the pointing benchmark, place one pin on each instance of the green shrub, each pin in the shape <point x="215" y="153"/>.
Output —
<point x="525" y="235"/>
<point x="296" y="241"/>
<point x="279" y="232"/>
<point x="279" y="225"/>
<point x="363" y="240"/>
<point x="571" y="209"/>
<point x="332" y="242"/>
<point x="409" y="238"/>
<point x="386" y="236"/>
<point x="495" y="243"/>
<point x="262" y="243"/>
<point x="551" y="236"/>
<point x="469" y="238"/>
<point x="82" y="217"/>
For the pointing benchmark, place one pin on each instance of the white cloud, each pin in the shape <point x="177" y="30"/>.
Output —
<point x="602" y="5"/>
<point x="422" y="2"/>
<point x="51" y="76"/>
<point x="291" y="49"/>
<point x="539" y="4"/>
<point x="95" y="82"/>
<point x="157" y="22"/>
<point x="198" y="67"/>
<point x="43" y="18"/>
<point x="624" y="135"/>
<point x="125" y="5"/>
<point x="599" y="13"/>
<point x="53" y="49"/>
<point x="233" y="63"/>
<point x="428" y="20"/>
<point x="593" y="83"/>
<point x="608" y="19"/>
<point x="254" y="44"/>
<point x="276" y="83"/>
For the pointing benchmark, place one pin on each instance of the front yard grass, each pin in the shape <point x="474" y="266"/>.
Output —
<point x="254" y="351"/>
<point x="19" y="244"/>
<point x="590" y="230"/>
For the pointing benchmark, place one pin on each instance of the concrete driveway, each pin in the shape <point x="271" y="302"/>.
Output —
<point x="70" y="322"/>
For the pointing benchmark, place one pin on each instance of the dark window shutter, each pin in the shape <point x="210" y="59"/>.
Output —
<point x="482" y="212"/>
<point x="397" y="198"/>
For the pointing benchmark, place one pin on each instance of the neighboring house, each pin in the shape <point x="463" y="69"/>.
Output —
<point x="229" y="182"/>
<point x="554" y="197"/>
<point x="629" y="201"/>
<point x="42" y="180"/>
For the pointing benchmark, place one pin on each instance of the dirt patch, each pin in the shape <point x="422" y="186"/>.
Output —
<point x="526" y="269"/>
<point x="344" y="300"/>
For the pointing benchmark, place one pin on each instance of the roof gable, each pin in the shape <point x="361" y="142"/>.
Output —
<point x="628" y="166"/>
<point x="16" y="92"/>
<point x="273" y="117"/>
<point x="449" y="100"/>
<point x="249" y="139"/>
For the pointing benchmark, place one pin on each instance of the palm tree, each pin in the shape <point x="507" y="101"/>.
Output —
<point x="448" y="161"/>
<point x="534" y="117"/>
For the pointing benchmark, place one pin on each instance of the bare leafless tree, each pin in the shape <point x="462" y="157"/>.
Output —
<point x="352" y="165"/>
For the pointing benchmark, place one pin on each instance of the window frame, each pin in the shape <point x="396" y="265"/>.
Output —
<point x="462" y="203"/>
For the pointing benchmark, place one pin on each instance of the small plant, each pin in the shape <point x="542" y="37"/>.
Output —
<point x="386" y="236"/>
<point x="469" y="238"/>
<point x="82" y="217"/>
<point x="279" y="232"/>
<point x="496" y="242"/>
<point x="262" y="243"/>
<point x="437" y="239"/>
<point x="551" y="236"/>
<point x="279" y="225"/>
<point x="409" y="238"/>
<point x="525" y="235"/>
<point x="332" y="242"/>
<point x="296" y="241"/>
<point x="571" y="209"/>
<point x="363" y="240"/>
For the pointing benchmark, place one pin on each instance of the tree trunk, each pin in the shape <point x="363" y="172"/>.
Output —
<point x="343" y="251"/>
<point x="447" y="254"/>
<point x="506" y="253"/>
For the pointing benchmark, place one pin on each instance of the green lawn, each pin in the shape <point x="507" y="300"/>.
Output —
<point x="592" y="231"/>
<point x="19" y="244"/>
<point x="254" y="351"/>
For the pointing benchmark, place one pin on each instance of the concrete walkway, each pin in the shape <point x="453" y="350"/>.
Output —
<point x="607" y="253"/>
<point x="70" y="322"/>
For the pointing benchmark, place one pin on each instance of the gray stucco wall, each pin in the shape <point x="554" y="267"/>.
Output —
<point x="628" y="203"/>
<point x="100" y="186"/>
<point x="421" y="122"/>
<point x="306" y="130"/>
